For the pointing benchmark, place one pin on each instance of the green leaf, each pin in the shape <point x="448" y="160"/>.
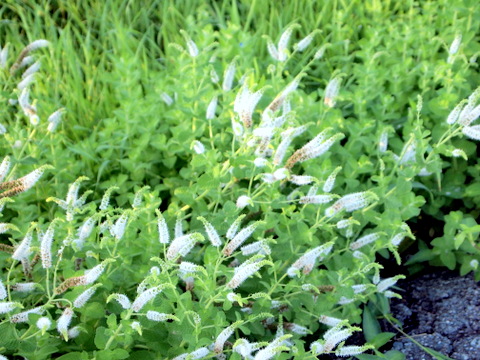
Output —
<point x="381" y="339"/>
<point x="371" y="326"/>
<point x="101" y="337"/>
<point x="448" y="259"/>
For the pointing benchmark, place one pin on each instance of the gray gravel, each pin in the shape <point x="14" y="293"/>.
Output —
<point x="440" y="311"/>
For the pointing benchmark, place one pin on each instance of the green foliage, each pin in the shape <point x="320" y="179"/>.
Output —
<point x="205" y="189"/>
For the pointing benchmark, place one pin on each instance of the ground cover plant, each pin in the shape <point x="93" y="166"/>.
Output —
<point x="189" y="180"/>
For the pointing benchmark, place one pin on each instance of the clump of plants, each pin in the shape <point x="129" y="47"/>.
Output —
<point x="259" y="234"/>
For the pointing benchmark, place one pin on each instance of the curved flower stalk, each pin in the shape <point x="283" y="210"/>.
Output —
<point x="88" y="278"/>
<point x="72" y="203"/>
<point x="314" y="148"/>
<point x="23" y="184"/>
<point x="280" y="52"/>
<point x="351" y="202"/>
<point x="239" y="238"/>
<point x="307" y="261"/>
<point x="245" y="104"/>
<point x="182" y="245"/>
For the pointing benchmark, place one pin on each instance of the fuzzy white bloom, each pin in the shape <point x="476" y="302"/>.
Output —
<point x="331" y="92"/>
<point x="4" y="167"/>
<point x="199" y="353"/>
<point x="244" y="348"/>
<point x="157" y="316"/>
<point x="178" y="231"/>
<point x="31" y="179"/>
<point x="350" y="202"/>
<point x="272" y="50"/>
<point x="260" y="247"/>
<point x="122" y="299"/>
<point x="214" y="76"/>
<point x="244" y="201"/>
<point x="260" y="162"/>
<point x="3" y="291"/>
<point x="145" y="297"/>
<point x="228" y="76"/>
<point x="359" y="288"/>
<point x="302" y="179"/>
<point x="8" y="306"/>
<point x="137" y="327"/>
<point x="82" y="299"/>
<point x="46" y="247"/>
<point x="282" y="150"/>
<point x="351" y="350"/>
<point x="455" y="45"/>
<point x="317" y="347"/>
<point x="27" y="60"/>
<point x="163" y="235"/>
<point x="397" y="239"/>
<point x="192" y="48"/>
<point x="84" y="231"/>
<point x="320" y="52"/>
<point x="189" y="268"/>
<point x="211" y="232"/>
<point x="459" y="153"/>
<point x="37" y="44"/>
<point x="245" y="104"/>
<point x="73" y="332"/>
<point x="26" y="82"/>
<point x="222" y="337"/>
<point x="316" y="199"/>
<point x="329" y="321"/>
<point x="232" y="297"/>
<point x="3" y="129"/>
<point x="237" y="128"/>
<point x="106" y="198"/>
<point x="273" y="348"/>
<point x="23" y="316"/>
<point x="383" y="141"/>
<point x="472" y="132"/>
<point x="364" y="240"/>
<point x="167" y="99"/>
<point x="240" y="238"/>
<point x="283" y="43"/>
<point x="297" y="329"/>
<point x="455" y="113"/>
<point x="23" y="249"/>
<point x="244" y="273"/>
<point x="335" y="336"/>
<point x="198" y="147"/>
<point x="387" y="283"/>
<point x="268" y="178"/>
<point x="232" y="230"/>
<point x="118" y="229"/>
<point x="32" y="69"/>
<point x="313" y="149"/>
<point x="212" y="107"/>
<point x="4" y="57"/>
<point x="342" y="224"/>
<point x="281" y="174"/>
<point x="54" y="120"/>
<point x="44" y="323"/>
<point x="23" y="287"/>
<point x="182" y="245"/>
<point x="279" y="99"/>
<point x="330" y="182"/>
<point x="307" y="260"/>
<point x="304" y="43"/>
<point x="63" y="322"/>
<point x="409" y="151"/>
<point x="93" y="274"/>
<point x="474" y="264"/>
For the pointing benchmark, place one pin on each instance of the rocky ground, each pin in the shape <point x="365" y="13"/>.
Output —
<point x="440" y="310"/>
